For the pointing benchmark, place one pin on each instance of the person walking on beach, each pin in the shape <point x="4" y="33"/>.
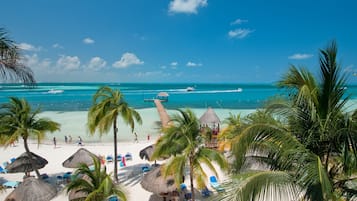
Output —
<point x="80" y="141"/>
<point x="65" y="139"/>
<point x="149" y="137"/>
<point x="70" y="139"/>
<point x="54" y="142"/>
<point x="136" y="137"/>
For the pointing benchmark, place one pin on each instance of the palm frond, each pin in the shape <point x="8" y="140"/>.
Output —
<point x="261" y="185"/>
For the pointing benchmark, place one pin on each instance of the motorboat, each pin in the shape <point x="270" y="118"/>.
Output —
<point x="55" y="91"/>
<point x="190" y="89"/>
<point x="239" y="90"/>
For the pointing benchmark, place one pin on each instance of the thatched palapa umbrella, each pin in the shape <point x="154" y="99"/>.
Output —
<point x="32" y="189"/>
<point x="80" y="156"/>
<point x="23" y="163"/>
<point x="209" y="118"/>
<point x="147" y="152"/>
<point x="154" y="182"/>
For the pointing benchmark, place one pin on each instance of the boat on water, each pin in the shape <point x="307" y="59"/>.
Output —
<point x="239" y="90"/>
<point x="190" y="89"/>
<point x="55" y="91"/>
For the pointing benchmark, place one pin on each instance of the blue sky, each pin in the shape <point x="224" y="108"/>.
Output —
<point x="218" y="41"/>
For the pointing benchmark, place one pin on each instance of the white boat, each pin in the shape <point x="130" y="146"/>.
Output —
<point x="55" y="91"/>
<point x="190" y="89"/>
<point x="239" y="90"/>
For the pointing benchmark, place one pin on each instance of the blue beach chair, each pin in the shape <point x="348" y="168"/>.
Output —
<point x="2" y="170"/>
<point x="214" y="184"/>
<point x="11" y="184"/>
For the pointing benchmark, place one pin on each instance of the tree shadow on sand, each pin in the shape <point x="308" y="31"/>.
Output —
<point x="131" y="175"/>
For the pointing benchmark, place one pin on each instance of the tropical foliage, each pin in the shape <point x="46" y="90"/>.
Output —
<point x="183" y="141"/>
<point x="108" y="105"/>
<point x="10" y="66"/>
<point x="95" y="183"/>
<point x="17" y="120"/>
<point x="307" y="140"/>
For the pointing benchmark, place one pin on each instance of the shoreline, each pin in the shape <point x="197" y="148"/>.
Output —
<point x="73" y="124"/>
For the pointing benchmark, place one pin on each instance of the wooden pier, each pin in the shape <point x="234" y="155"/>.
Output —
<point x="164" y="117"/>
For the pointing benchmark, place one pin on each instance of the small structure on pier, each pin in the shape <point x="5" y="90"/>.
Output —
<point x="210" y="125"/>
<point x="162" y="96"/>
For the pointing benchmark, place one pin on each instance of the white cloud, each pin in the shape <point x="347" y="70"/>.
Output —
<point x="88" y="41"/>
<point x="299" y="56"/>
<point x="28" y="47"/>
<point x="174" y="63"/>
<point x="192" y="64"/>
<point x="57" y="46"/>
<point x="239" y="33"/>
<point x="126" y="60"/>
<point x="96" y="63"/>
<point x="186" y="6"/>
<point x="34" y="62"/>
<point x="238" y="21"/>
<point x="68" y="62"/>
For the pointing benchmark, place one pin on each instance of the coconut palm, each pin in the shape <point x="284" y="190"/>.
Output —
<point x="95" y="184"/>
<point x="309" y="139"/>
<point x="17" y="120"/>
<point x="10" y="66"/>
<point x="108" y="105"/>
<point x="185" y="144"/>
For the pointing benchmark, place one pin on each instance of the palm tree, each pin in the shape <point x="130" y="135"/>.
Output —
<point x="108" y="104"/>
<point x="10" y="67"/>
<point x="17" y="120"/>
<point x="95" y="183"/>
<point x="184" y="142"/>
<point x="308" y="139"/>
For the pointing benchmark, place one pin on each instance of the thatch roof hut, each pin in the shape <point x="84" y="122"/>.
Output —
<point x="23" y="163"/>
<point x="32" y="189"/>
<point x="209" y="118"/>
<point x="80" y="156"/>
<point x="155" y="182"/>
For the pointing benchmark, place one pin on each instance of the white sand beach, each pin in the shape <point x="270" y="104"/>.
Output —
<point x="129" y="176"/>
<point x="74" y="123"/>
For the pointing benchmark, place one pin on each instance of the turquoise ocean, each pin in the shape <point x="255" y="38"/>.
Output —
<point x="68" y="103"/>
<point x="78" y="96"/>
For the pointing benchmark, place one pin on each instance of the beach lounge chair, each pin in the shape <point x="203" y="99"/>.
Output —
<point x="59" y="180"/>
<point x="119" y="157"/>
<point x="67" y="177"/>
<point x="205" y="192"/>
<point x="214" y="184"/>
<point x="183" y="187"/>
<point x="187" y="194"/>
<point x="11" y="184"/>
<point x="2" y="170"/>
<point x="109" y="159"/>
<point x="128" y="156"/>
<point x="145" y="169"/>
<point x="5" y="164"/>
<point x="12" y="160"/>
<point x="113" y="198"/>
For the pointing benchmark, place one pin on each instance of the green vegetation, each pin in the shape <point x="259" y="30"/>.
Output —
<point x="17" y="120"/>
<point x="10" y="66"/>
<point x="184" y="143"/>
<point x="108" y="104"/>
<point x="96" y="184"/>
<point x="307" y="140"/>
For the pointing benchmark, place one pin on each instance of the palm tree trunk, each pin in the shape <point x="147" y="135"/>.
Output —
<point x="115" y="151"/>
<point x="191" y="179"/>
<point x="33" y="164"/>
